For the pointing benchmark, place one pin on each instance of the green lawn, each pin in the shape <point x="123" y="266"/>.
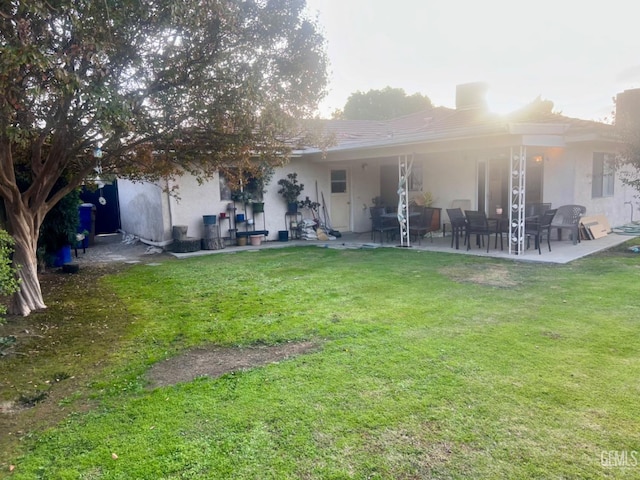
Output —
<point x="428" y="366"/>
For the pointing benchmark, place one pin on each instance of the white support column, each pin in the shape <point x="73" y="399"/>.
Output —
<point x="517" y="200"/>
<point x="404" y="170"/>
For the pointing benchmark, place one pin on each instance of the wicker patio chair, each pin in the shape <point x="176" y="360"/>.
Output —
<point x="568" y="218"/>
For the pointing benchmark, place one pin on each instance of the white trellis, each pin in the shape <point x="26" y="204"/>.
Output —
<point x="405" y="163"/>
<point x="517" y="182"/>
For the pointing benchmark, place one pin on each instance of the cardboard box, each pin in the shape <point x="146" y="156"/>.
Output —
<point x="594" y="226"/>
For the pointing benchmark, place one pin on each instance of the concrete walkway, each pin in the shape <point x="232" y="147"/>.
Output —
<point x="561" y="251"/>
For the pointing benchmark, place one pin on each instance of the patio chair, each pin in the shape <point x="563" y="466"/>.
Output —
<point x="536" y="209"/>
<point x="540" y="227"/>
<point x="381" y="225"/>
<point x="568" y="218"/>
<point x="458" y="225"/>
<point x="478" y="225"/>
<point x="500" y="224"/>
<point x="422" y="225"/>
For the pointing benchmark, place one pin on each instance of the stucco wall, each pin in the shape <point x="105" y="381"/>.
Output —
<point x="612" y="207"/>
<point x="451" y="177"/>
<point x="143" y="210"/>
<point x="148" y="212"/>
<point x="568" y="180"/>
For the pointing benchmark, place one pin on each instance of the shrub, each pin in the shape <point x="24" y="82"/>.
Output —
<point x="8" y="281"/>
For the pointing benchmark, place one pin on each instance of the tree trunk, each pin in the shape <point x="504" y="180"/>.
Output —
<point x="25" y="234"/>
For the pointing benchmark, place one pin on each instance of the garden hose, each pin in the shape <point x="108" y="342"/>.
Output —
<point x="632" y="228"/>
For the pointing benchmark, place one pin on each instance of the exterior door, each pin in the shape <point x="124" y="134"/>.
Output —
<point x="340" y="210"/>
<point x="108" y="212"/>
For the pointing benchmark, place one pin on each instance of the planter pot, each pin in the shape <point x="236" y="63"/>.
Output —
<point x="258" y="207"/>
<point x="283" y="235"/>
<point x="242" y="241"/>
<point x="209" y="219"/>
<point x="292" y="207"/>
<point x="179" y="232"/>
<point x="62" y="256"/>
<point x="256" y="240"/>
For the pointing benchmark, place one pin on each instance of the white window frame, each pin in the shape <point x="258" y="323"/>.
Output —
<point x="603" y="175"/>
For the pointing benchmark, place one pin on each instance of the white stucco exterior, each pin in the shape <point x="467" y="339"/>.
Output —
<point x="149" y="212"/>
<point x="455" y="157"/>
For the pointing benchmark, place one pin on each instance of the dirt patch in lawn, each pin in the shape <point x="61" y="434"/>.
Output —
<point x="483" y="274"/>
<point x="216" y="361"/>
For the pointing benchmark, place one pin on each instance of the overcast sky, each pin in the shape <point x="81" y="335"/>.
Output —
<point x="576" y="53"/>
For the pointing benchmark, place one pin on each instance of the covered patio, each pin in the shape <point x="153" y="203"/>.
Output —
<point x="562" y="251"/>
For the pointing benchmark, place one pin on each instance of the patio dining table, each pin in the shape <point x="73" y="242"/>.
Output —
<point x="391" y="218"/>
<point x="501" y="225"/>
<point x="394" y="215"/>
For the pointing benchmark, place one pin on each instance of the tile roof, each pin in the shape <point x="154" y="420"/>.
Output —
<point x="441" y="123"/>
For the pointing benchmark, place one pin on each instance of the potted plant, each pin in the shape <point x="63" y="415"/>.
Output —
<point x="290" y="189"/>
<point x="425" y="199"/>
<point x="241" y="196"/>
<point x="262" y="178"/>
<point x="313" y="207"/>
<point x="59" y="229"/>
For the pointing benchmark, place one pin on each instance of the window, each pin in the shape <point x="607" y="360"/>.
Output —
<point x="603" y="175"/>
<point x="415" y="179"/>
<point x="338" y="181"/>
<point x="225" y="191"/>
<point x="251" y="185"/>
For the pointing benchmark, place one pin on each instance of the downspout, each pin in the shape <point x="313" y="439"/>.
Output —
<point x="631" y="205"/>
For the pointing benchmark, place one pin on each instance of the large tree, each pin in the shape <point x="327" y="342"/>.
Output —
<point x="383" y="104"/>
<point x="144" y="89"/>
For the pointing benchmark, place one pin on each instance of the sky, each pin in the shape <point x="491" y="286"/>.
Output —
<point x="576" y="53"/>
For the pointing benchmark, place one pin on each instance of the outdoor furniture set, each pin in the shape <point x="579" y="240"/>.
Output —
<point x="540" y="221"/>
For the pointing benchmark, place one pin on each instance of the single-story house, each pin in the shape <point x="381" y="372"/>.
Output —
<point x="466" y="153"/>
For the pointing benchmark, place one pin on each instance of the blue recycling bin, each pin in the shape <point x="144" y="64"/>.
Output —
<point x="87" y="212"/>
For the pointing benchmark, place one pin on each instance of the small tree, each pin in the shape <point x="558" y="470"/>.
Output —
<point x="290" y="188"/>
<point x="147" y="90"/>
<point x="627" y="123"/>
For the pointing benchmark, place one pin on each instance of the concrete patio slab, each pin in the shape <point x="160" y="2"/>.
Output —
<point x="562" y="251"/>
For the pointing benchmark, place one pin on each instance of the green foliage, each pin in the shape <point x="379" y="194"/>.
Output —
<point x="8" y="282"/>
<point x="241" y="196"/>
<point x="629" y="160"/>
<point x="114" y="74"/>
<point x="537" y="108"/>
<point x="290" y="188"/>
<point x="60" y="226"/>
<point x="442" y="376"/>
<point x="309" y="204"/>
<point x="162" y="87"/>
<point x="383" y="104"/>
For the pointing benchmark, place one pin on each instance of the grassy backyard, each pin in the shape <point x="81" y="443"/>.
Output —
<point x="422" y="365"/>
